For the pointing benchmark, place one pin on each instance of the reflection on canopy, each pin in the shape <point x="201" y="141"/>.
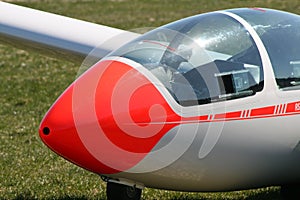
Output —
<point x="279" y="31"/>
<point x="201" y="59"/>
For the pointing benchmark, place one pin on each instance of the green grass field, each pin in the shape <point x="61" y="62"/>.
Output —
<point x="30" y="83"/>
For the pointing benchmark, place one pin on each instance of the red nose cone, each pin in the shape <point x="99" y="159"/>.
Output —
<point x="108" y="120"/>
<point x="58" y="132"/>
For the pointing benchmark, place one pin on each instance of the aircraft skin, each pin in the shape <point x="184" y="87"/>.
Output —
<point x="120" y="120"/>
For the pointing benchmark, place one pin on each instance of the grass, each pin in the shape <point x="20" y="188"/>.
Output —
<point x="30" y="83"/>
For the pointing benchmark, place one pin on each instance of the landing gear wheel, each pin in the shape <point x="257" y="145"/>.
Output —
<point x="290" y="192"/>
<point x="115" y="191"/>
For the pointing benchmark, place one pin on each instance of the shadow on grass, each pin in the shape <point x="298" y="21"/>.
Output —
<point x="274" y="195"/>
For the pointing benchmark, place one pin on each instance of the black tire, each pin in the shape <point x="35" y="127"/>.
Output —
<point x="116" y="191"/>
<point x="290" y="192"/>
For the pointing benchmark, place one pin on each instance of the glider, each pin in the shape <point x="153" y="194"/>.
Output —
<point x="206" y="103"/>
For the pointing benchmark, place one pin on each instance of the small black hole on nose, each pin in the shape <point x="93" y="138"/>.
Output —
<point x="46" y="130"/>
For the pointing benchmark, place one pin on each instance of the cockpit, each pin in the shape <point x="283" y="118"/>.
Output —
<point x="213" y="57"/>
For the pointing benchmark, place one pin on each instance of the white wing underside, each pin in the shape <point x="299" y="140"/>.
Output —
<point x="57" y="35"/>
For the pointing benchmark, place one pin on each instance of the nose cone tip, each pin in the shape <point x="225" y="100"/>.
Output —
<point x="45" y="134"/>
<point x="46" y="130"/>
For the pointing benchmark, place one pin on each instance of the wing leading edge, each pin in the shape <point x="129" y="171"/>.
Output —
<point x="57" y="35"/>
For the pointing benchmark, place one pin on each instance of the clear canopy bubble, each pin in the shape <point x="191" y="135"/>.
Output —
<point x="213" y="57"/>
